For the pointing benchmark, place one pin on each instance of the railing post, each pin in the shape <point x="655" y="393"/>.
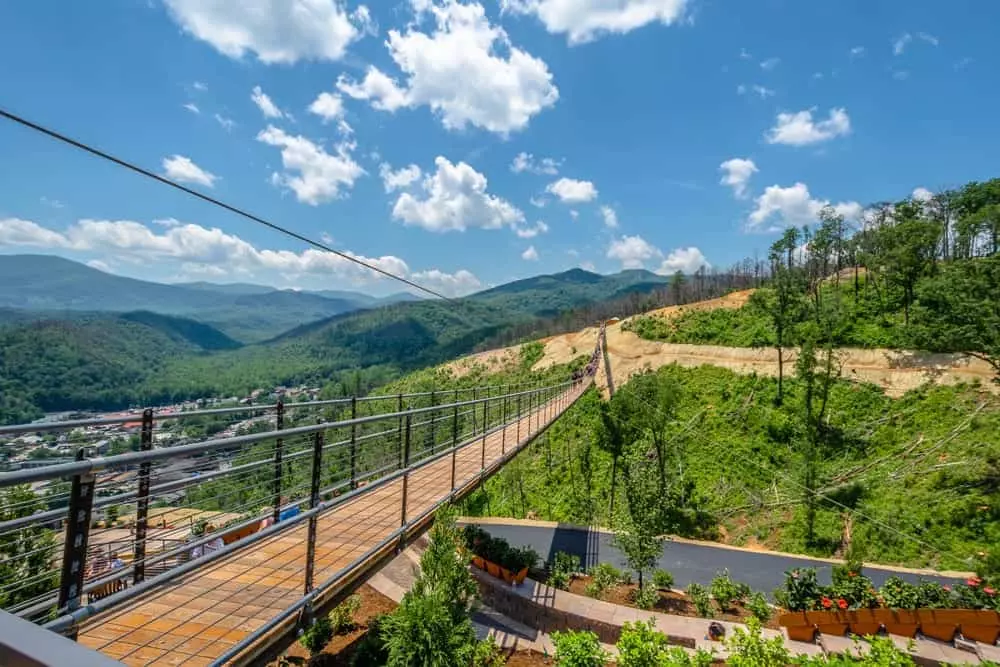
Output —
<point x="317" y="467"/>
<point x="406" y="479"/>
<point x="475" y="397"/>
<point x="399" y="447"/>
<point x="81" y="504"/>
<point x="142" y="500"/>
<point x="354" y="443"/>
<point x="279" y="445"/>
<point x="454" y="442"/>
<point x="486" y="404"/>
<point x="433" y="424"/>
<point x="503" y="420"/>
<point x="518" y="419"/>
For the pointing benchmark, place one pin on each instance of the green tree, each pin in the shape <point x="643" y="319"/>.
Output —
<point x="431" y="626"/>
<point x="910" y="250"/>
<point x="639" y="525"/>
<point x="26" y="554"/>
<point x="959" y="310"/>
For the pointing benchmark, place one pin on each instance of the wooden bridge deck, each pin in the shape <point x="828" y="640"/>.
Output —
<point x="198" y="617"/>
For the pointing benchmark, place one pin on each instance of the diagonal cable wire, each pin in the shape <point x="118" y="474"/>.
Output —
<point x="212" y="200"/>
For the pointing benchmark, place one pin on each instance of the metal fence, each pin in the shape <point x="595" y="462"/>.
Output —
<point x="83" y="536"/>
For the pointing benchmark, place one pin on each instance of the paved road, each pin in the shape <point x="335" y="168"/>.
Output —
<point x="687" y="562"/>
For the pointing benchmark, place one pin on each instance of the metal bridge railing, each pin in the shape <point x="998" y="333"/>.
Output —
<point x="98" y="531"/>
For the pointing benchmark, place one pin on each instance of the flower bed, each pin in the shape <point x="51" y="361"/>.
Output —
<point x="495" y="556"/>
<point x="853" y="604"/>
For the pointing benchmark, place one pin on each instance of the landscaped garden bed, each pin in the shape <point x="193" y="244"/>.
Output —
<point x="495" y="556"/>
<point x="853" y="604"/>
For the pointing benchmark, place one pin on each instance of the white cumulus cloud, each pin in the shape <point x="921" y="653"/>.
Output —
<point x="180" y="168"/>
<point x="799" y="129"/>
<point x="400" y="179"/>
<point x="210" y="251"/>
<point x="793" y="206"/>
<point x="277" y="31"/>
<point x="632" y="251"/>
<point x="328" y="106"/>
<point x="531" y="232"/>
<point x="466" y="70"/>
<point x="685" y="260"/>
<point x="314" y="175"/>
<point x="526" y="162"/>
<point x="454" y="198"/>
<point x="922" y="194"/>
<point x="585" y="20"/>
<point x="737" y="174"/>
<point x="572" y="191"/>
<point x="530" y="255"/>
<point x="610" y="217"/>
<point x="265" y="104"/>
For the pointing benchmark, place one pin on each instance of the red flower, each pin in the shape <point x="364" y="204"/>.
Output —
<point x="973" y="581"/>
<point x="826" y="602"/>
<point x="989" y="591"/>
<point x="842" y="603"/>
<point x="947" y="588"/>
<point x="852" y="574"/>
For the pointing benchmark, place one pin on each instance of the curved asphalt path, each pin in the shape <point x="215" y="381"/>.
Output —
<point x="688" y="562"/>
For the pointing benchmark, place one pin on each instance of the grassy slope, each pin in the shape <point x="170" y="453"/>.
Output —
<point x="927" y="465"/>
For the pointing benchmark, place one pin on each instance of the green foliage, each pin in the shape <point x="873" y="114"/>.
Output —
<point x="431" y="626"/>
<point x="663" y="579"/>
<point x="372" y="651"/>
<point x="604" y="577"/>
<point x="317" y="636"/>
<point x="578" y="649"/>
<point x="748" y="648"/>
<point x="646" y="596"/>
<point x="899" y="594"/>
<point x="727" y="592"/>
<point x="678" y="657"/>
<point x="701" y="600"/>
<point x="26" y="554"/>
<point x="757" y="605"/>
<point x="487" y="653"/>
<point x="641" y="645"/>
<point x="875" y="652"/>
<point x="342" y="616"/>
<point x="562" y="568"/>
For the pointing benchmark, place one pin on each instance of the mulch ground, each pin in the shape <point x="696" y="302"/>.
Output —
<point x="669" y="602"/>
<point x="373" y="604"/>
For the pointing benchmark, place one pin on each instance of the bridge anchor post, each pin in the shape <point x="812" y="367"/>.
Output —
<point x="142" y="500"/>
<point x="317" y="466"/>
<point x="81" y="505"/>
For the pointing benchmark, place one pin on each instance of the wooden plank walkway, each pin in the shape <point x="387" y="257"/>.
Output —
<point x="198" y="617"/>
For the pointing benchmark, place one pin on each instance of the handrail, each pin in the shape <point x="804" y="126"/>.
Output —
<point x="85" y="466"/>
<point x="15" y="429"/>
<point x="80" y="614"/>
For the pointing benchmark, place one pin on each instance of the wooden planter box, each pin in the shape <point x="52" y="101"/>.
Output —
<point x="797" y="626"/>
<point x="902" y="622"/>
<point x="829" y="622"/>
<point x="982" y="626"/>
<point x="516" y="578"/>
<point x="863" y="622"/>
<point x="940" y="624"/>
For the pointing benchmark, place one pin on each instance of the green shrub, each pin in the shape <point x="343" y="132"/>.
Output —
<point x="663" y="580"/>
<point x="646" y="596"/>
<point x="899" y="594"/>
<point x="488" y="654"/>
<point x="562" y="568"/>
<point x="728" y="592"/>
<point x="678" y="657"/>
<point x="342" y="616"/>
<point x="579" y="649"/>
<point x="626" y="578"/>
<point x="605" y="575"/>
<point x="317" y="636"/>
<point x="758" y="606"/>
<point x="747" y="648"/>
<point x="932" y="595"/>
<point x="701" y="600"/>
<point x="371" y="650"/>
<point x="641" y="645"/>
<point x="593" y="590"/>
<point x="802" y="590"/>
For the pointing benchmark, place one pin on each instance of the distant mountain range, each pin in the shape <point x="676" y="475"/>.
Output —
<point x="248" y="313"/>
<point x="72" y="337"/>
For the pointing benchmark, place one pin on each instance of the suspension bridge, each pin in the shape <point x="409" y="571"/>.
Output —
<point x="210" y="551"/>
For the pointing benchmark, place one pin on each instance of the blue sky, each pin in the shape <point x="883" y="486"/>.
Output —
<point x="654" y="133"/>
